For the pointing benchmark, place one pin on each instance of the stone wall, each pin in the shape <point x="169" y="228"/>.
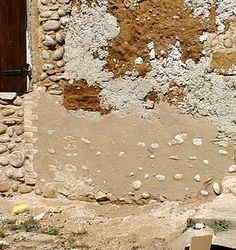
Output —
<point x="16" y="150"/>
<point x="131" y="50"/>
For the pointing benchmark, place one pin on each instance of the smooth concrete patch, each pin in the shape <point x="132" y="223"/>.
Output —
<point x="82" y="154"/>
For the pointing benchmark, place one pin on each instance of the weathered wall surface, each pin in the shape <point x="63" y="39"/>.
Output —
<point x="129" y="55"/>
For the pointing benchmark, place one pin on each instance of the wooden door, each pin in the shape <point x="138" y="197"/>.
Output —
<point x="12" y="45"/>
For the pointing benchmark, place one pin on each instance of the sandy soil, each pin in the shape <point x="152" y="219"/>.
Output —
<point x="107" y="227"/>
<point x="109" y="153"/>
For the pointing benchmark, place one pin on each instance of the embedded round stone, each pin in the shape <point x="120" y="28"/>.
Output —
<point x="217" y="188"/>
<point x="58" y="54"/>
<point x="49" y="41"/>
<point x="136" y="185"/>
<point x="232" y="168"/>
<point x="50" y="190"/>
<point x="178" y="177"/>
<point x="204" y="193"/>
<point x="154" y="145"/>
<point x="222" y="152"/>
<point x="17" y="159"/>
<point x="51" y="25"/>
<point x="160" y="177"/>
<point x="4" y="161"/>
<point x="205" y="162"/>
<point x="3" y="149"/>
<point x="197" y="178"/>
<point x="197" y="141"/>
<point x="146" y="196"/>
<point x="3" y="129"/>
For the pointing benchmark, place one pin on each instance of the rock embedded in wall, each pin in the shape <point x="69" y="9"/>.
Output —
<point x="53" y="18"/>
<point x="13" y="154"/>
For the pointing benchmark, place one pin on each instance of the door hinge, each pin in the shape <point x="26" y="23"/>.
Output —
<point x="24" y="72"/>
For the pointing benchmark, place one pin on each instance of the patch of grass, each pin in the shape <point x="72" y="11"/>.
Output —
<point x="2" y="234"/>
<point x="50" y="231"/>
<point x="11" y="225"/>
<point x="30" y="225"/>
<point x="220" y="226"/>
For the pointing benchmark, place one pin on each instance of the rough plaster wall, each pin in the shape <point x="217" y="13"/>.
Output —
<point x="209" y="94"/>
<point x="90" y="29"/>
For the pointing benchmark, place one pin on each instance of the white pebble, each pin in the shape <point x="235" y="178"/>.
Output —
<point x="199" y="226"/>
<point x="173" y="142"/>
<point x="217" y="188"/>
<point x="197" y="141"/>
<point x="222" y="152"/>
<point x="146" y="176"/>
<point x="205" y="162"/>
<point x="98" y="153"/>
<point x="141" y="144"/>
<point x="232" y="168"/>
<point x="140" y="168"/>
<point x="84" y="168"/>
<point x="204" y="192"/>
<point x="192" y="157"/>
<point x="85" y="140"/>
<point x="50" y="131"/>
<point x="154" y="145"/>
<point x="197" y="178"/>
<point x="139" y="60"/>
<point x="131" y="174"/>
<point x="160" y="177"/>
<point x="178" y="176"/>
<point x="151" y="156"/>
<point x="174" y="157"/>
<point x="121" y="154"/>
<point x="51" y="151"/>
<point x="146" y="196"/>
<point x="136" y="185"/>
<point x="180" y="138"/>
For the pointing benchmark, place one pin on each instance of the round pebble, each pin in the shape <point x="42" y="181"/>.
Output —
<point x="154" y="145"/>
<point x="178" y="177"/>
<point x="136" y="185"/>
<point x="50" y="191"/>
<point x="232" y="168"/>
<point x="192" y="157"/>
<point x="160" y="177"/>
<point x="217" y="188"/>
<point x="146" y="176"/>
<point x="146" y="196"/>
<point x="204" y="192"/>
<point x="3" y="149"/>
<point x="141" y="144"/>
<point x="205" y="162"/>
<point x="222" y="152"/>
<point x="180" y="138"/>
<point x="4" y="161"/>
<point x="228" y="43"/>
<point x="98" y="153"/>
<point x="121" y="154"/>
<point x="17" y="159"/>
<point x="197" y="141"/>
<point x="51" y="151"/>
<point x="197" y="178"/>
<point x="84" y="168"/>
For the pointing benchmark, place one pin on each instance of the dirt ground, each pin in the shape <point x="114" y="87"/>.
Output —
<point x="98" y="227"/>
<point x="122" y="150"/>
